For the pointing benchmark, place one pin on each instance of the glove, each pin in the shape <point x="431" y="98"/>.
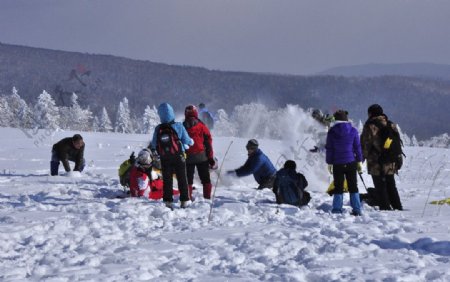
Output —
<point x="330" y="169"/>
<point x="359" y="167"/>
<point x="211" y="162"/>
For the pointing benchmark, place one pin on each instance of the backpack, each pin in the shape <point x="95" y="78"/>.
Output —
<point x="207" y="119"/>
<point x="291" y="187"/>
<point x="125" y="169"/>
<point x="167" y="143"/>
<point x="391" y="150"/>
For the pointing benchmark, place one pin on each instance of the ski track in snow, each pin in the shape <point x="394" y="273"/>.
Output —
<point x="69" y="228"/>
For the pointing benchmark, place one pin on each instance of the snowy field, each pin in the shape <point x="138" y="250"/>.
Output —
<point x="70" y="228"/>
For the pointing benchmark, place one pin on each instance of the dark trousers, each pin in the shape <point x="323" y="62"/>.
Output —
<point x="388" y="197"/>
<point x="176" y="165"/>
<point x="203" y="172"/>
<point x="345" y="171"/>
<point x="54" y="163"/>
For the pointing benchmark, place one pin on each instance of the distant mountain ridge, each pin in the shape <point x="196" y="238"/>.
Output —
<point x="406" y="69"/>
<point x="419" y="105"/>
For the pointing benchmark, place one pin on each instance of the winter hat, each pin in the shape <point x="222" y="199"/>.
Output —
<point x="144" y="157"/>
<point x="191" y="111"/>
<point x="201" y="105"/>
<point x="341" y="115"/>
<point x="375" y="110"/>
<point x="252" y="144"/>
<point x="77" y="137"/>
<point x="290" y="164"/>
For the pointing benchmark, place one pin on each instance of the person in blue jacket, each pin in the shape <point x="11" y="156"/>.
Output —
<point x="257" y="164"/>
<point x="173" y="160"/>
<point x="344" y="156"/>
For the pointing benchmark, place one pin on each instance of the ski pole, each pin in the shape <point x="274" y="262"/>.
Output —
<point x="217" y="181"/>
<point x="365" y="187"/>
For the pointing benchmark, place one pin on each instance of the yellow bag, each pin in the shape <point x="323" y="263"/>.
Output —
<point x="330" y="190"/>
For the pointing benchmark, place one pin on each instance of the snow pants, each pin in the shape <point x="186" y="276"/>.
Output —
<point x="54" y="163"/>
<point x="175" y="165"/>
<point x="388" y="197"/>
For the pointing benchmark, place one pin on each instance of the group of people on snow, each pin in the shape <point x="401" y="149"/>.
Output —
<point x="178" y="148"/>
<point x="346" y="150"/>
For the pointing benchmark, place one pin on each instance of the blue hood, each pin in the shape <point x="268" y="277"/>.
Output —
<point x="165" y="112"/>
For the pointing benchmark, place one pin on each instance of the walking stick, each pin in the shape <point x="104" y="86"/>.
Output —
<point x="217" y="181"/>
<point x="365" y="187"/>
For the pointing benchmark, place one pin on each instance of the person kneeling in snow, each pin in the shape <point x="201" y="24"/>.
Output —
<point x="68" y="149"/>
<point x="289" y="186"/>
<point x="257" y="164"/>
<point x="144" y="182"/>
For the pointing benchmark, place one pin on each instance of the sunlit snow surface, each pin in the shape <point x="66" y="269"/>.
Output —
<point x="72" y="227"/>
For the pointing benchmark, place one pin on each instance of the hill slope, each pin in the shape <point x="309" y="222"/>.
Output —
<point x="407" y="69"/>
<point x="100" y="80"/>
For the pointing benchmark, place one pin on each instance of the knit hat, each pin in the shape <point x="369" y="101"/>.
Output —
<point x="77" y="137"/>
<point x="191" y="111"/>
<point x="290" y="164"/>
<point x="252" y="144"/>
<point x="375" y="110"/>
<point x="341" y="115"/>
<point x="144" y="157"/>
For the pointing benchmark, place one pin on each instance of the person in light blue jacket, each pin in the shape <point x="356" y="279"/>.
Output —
<point x="170" y="141"/>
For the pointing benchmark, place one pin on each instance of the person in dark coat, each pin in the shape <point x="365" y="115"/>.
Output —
<point x="289" y="186"/>
<point x="343" y="156"/>
<point x="382" y="174"/>
<point x="68" y="149"/>
<point x="257" y="164"/>
<point x="201" y="154"/>
<point x="177" y="164"/>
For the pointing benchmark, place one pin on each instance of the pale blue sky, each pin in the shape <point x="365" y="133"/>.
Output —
<point x="283" y="36"/>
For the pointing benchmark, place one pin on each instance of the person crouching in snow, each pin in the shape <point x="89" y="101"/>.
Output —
<point x="200" y="154"/>
<point x="144" y="181"/>
<point x="289" y="186"/>
<point x="257" y="164"/>
<point x="343" y="156"/>
<point x="68" y="149"/>
<point x="139" y="174"/>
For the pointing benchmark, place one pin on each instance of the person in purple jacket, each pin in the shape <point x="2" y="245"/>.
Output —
<point x="343" y="156"/>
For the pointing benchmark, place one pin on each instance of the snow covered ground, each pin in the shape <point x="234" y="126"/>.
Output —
<point x="71" y="227"/>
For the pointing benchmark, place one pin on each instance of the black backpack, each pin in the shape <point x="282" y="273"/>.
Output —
<point x="393" y="152"/>
<point x="291" y="187"/>
<point x="167" y="143"/>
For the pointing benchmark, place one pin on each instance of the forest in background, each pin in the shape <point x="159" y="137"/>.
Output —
<point x="103" y="81"/>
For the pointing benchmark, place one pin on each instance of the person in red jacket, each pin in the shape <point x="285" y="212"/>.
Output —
<point x="142" y="184"/>
<point x="200" y="154"/>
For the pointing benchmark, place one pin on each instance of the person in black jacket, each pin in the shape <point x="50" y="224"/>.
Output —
<point x="68" y="149"/>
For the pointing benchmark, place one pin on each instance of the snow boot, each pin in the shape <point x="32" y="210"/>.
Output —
<point x="54" y="166"/>
<point x="183" y="204"/>
<point x="337" y="203"/>
<point x="355" y="203"/>
<point x="169" y="205"/>
<point x="207" y="190"/>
